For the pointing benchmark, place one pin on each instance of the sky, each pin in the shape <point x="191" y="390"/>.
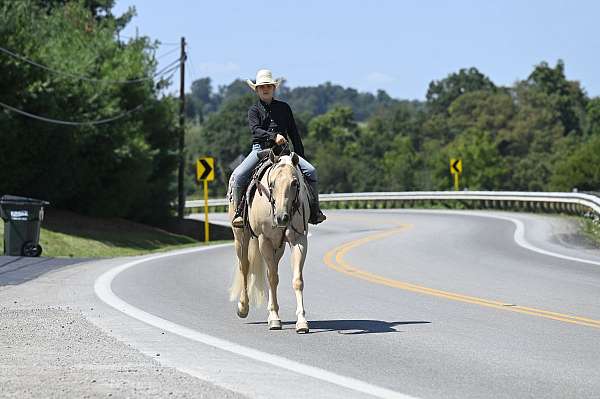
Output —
<point x="395" y="45"/>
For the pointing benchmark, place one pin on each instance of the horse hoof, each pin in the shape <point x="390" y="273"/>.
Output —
<point x="242" y="314"/>
<point x="302" y="327"/>
<point x="275" y="325"/>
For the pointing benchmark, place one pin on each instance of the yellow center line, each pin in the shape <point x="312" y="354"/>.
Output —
<point x="334" y="259"/>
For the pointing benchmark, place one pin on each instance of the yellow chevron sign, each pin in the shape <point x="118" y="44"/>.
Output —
<point x="456" y="166"/>
<point x="205" y="169"/>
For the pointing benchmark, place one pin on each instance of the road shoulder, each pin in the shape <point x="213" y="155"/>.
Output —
<point x="50" y="348"/>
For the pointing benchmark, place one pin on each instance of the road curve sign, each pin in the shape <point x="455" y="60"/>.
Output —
<point x="455" y="166"/>
<point x="205" y="169"/>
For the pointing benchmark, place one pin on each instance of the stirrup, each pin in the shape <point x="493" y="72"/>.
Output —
<point x="238" y="222"/>
<point x="317" y="217"/>
<point x="238" y="217"/>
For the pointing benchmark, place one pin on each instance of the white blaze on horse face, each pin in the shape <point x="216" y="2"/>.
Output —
<point x="283" y="188"/>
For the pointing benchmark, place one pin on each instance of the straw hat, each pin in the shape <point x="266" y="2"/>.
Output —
<point x="263" y="77"/>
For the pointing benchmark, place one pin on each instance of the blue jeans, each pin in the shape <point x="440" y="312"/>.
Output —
<point x="240" y="178"/>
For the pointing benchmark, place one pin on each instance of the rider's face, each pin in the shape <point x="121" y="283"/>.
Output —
<point x="265" y="92"/>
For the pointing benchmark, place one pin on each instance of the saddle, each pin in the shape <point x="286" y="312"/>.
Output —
<point x="264" y="163"/>
<point x="255" y="185"/>
<point x="260" y="169"/>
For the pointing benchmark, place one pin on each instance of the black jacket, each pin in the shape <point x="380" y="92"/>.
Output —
<point x="266" y="120"/>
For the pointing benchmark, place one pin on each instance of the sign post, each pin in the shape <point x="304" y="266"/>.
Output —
<point x="456" y="170"/>
<point x="205" y="172"/>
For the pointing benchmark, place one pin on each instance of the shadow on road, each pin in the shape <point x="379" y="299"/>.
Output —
<point x="16" y="270"/>
<point x="352" y="327"/>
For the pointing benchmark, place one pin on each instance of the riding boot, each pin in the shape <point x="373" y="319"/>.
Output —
<point x="238" y="219"/>
<point x="316" y="215"/>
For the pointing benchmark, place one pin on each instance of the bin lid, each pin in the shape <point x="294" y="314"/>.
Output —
<point x="15" y="200"/>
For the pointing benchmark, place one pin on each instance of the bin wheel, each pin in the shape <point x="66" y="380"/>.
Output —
<point x="31" y="250"/>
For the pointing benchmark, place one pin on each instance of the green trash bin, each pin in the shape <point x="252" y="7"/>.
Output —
<point x="22" y="222"/>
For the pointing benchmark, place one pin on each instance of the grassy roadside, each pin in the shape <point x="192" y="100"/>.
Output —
<point x="66" y="234"/>
<point x="591" y="230"/>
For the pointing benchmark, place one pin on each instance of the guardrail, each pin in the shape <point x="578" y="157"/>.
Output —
<point x="576" y="203"/>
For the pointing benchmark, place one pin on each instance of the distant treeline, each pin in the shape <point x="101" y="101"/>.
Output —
<point x="308" y="102"/>
<point x="541" y="133"/>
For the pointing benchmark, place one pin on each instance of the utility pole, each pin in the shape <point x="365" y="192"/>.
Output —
<point x="180" y="188"/>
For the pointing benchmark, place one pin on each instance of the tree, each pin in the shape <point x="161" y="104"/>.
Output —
<point x="568" y="99"/>
<point x="330" y="147"/>
<point x="441" y="93"/>
<point x="201" y="101"/>
<point x="486" y="111"/>
<point x="400" y="164"/>
<point x="400" y="118"/>
<point x="225" y="135"/>
<point x="483" y="167"/>
<point x="103" y="169"/>
<point x="581" y="169"/>
<point x="593" y="116"/>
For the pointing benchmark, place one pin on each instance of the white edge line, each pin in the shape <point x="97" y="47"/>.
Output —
<point x="103" y="290"/>
<point x="520" y="239"/>
<point x="519" y="235"/>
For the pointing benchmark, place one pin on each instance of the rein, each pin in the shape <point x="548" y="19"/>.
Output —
<point x="295" y="202"/>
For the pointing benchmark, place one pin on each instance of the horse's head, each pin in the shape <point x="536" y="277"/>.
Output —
<point x="284" y="184"/>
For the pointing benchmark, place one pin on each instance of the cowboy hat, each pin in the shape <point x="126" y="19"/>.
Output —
<point x="263" y="77"/>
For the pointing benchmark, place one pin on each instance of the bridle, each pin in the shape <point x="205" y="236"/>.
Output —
<point x="295" y="204"/>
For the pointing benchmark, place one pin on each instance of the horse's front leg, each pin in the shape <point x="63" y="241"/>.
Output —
<point x="271" y="255"/>
<point x="299" y="248"/>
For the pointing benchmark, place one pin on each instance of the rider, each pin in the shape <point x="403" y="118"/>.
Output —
<point x="271" y="122"/>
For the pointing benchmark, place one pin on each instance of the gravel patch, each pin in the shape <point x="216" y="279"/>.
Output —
<point x="55" y="352"/>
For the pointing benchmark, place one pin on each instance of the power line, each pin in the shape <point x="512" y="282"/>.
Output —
<point x="81" y="77"/>
<point x="192" y="68"/>
<point x="69" y="123"/>
<point x="167" y="53"/>
<point x="165" y="71"/>
<point x="173" y="66"/>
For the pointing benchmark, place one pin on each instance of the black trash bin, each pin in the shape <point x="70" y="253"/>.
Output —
<point x="22" y="221"/>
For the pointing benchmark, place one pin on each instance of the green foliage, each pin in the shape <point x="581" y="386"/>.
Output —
<point x="400" y="163"/>
<point x="225" y="136"/>
<point x="443" y="92"/>
<point x="593" y="116"/>
<point x="483" y="167"/>
<point x="306" y="101"/>
<point x="323" y="98"/>
<point x="107" y="169"/>
<point x="567" y="97"/>
<point x="329" y="147"/>
<point x="524" y="137"/>
<point x="580" y="169"/>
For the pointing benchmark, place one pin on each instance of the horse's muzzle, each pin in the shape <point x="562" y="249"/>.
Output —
<point x="282" y="219"/>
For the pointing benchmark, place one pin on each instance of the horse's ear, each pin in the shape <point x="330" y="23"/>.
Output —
<point x="295" y="159"/>
<point x="274" y="158"/>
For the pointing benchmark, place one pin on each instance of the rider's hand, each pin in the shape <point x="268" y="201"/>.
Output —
<point x="279" y="139"/>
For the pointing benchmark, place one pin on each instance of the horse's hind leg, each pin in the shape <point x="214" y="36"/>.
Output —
<point x="298" y="258"/>
<point x="241" y="247"/>
<point x="272" y="257"/>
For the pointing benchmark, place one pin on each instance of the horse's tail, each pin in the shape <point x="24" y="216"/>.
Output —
<point x="257" y="276"/>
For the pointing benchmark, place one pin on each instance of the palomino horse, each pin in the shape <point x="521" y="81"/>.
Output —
<point x="277" y="214"/>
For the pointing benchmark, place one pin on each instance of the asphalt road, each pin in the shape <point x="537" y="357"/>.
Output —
<point x="400" y="304"/>
<point x="429" y="305"/>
